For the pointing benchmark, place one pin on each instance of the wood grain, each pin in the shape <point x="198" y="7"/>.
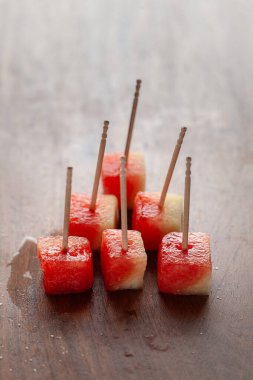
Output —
<point x="64" y="67"/>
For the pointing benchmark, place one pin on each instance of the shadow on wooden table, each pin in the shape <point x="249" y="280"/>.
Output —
<point x="69" y="303"/>
<point x="125" y="302"/>
<point x="188" y="307"/>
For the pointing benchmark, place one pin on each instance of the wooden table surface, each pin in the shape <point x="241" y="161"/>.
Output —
<point x="65" y="66"/>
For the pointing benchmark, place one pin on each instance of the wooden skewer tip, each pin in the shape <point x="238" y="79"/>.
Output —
<point x="105" y="129"/>
<point x="137" y="88"/>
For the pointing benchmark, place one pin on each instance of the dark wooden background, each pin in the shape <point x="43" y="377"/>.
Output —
<point x="65" y="66"/>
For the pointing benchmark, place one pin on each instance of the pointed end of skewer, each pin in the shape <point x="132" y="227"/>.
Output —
<point x="181" y="136"/>
<point x="188" y="163"/>
<point x="137" y="88"/>
<point x="105" y="128"/>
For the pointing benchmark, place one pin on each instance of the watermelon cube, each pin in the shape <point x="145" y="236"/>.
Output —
<point x="135" y="175"/>
<point x="122" y="269"/>
<point x="154" y="222"/>
<point x="91" y="224"/>
<point x="185" y="272"/>
<point x="68" y="271"/>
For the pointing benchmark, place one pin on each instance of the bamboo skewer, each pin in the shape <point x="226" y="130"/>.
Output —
<point x="172" y="166"/>
<point x="99" y="166"/>
<point x="132" y="118"/>
<point x="67" y="209"/>
<point x="187" y="193"/>
<point x="123" y="202"/>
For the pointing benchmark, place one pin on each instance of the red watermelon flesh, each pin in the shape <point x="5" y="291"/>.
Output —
<point x="65" y="272"/>
<point x="154" y="222"/>
<point x="184" y="272"/>
<point x="90" y="224"/>
<point x="135" y="175"/>
<point x="120" y="269"/>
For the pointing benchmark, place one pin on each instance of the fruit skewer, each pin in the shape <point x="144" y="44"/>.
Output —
<point x="184" y="259"/>
<point x="66" y="261"/>
<point x="90" y="215"/>
<point x="123" y="256"/>
<point x="156" y="214"/>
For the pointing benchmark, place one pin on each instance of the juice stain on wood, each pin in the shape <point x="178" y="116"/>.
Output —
<point x="24" y="273"/>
